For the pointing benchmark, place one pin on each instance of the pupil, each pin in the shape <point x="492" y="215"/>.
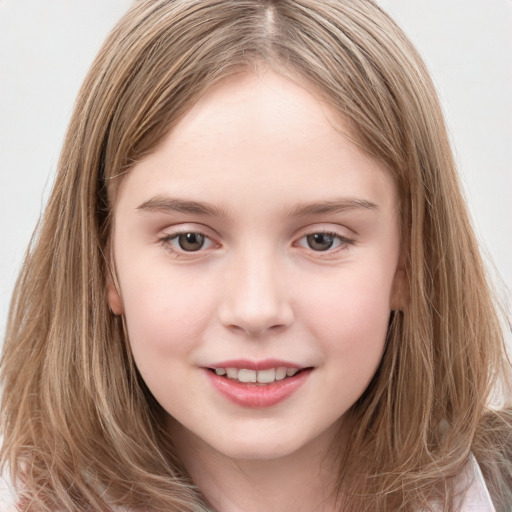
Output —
<point x="191" y="241"/>
<point x="320" y="241"/>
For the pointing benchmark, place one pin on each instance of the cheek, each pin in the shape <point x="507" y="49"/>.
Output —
<point x="351" y="314"/>
<point x="165" y="314"/>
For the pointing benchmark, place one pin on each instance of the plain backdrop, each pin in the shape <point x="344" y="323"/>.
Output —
<point x="46" y="47"/>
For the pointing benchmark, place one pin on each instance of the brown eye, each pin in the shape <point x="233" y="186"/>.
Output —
<point x="190" y="241"/>
<point x="320" y="241"/>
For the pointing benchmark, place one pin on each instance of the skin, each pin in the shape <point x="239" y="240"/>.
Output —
<point x="259" y="149"/>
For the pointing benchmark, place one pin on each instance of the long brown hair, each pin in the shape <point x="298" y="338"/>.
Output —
<point x="74" y="408"/>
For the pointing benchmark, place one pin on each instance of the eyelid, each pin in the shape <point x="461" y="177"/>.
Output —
<point x="327" y="228"/>
<point x="188" y="227"/>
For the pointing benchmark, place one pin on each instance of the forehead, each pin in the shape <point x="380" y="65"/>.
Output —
<point x="280" y="109"/>
<point x="261" y="132"/>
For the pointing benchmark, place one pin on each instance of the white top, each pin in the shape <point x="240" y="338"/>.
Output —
<point x="475" y="499"/>
<point x="471" y="490"/>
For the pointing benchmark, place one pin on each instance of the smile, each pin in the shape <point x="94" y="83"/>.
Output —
<point x="257" y="385"/>
<point x="267" y="376"/>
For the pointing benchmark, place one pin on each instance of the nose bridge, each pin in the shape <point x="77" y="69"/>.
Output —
<point x="256" y="298"/>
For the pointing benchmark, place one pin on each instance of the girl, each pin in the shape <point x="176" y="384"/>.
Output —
<point x="255" y="286"/>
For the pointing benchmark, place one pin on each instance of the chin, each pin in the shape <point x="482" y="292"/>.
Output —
<point x="257" y="451"/>
<point x="265" y="443"/>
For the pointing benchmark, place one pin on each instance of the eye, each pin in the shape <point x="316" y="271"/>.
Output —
<point x="189" y="241"/>
<point x="321" y="242"/>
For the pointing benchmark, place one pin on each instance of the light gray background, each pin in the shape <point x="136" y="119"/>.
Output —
<point x="46" y="47"/>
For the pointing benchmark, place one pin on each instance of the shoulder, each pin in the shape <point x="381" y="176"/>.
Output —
<point x="473" y="490"/>
<point x="7" y="495"/>
<point x="471" y="493"/>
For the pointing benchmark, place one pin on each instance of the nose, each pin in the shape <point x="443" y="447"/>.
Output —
<point x="256" y="297"/>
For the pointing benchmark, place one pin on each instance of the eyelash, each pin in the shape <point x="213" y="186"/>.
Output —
<point x="343" y="242"/>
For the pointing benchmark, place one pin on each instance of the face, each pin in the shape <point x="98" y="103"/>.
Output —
<point x="256" y="252"/>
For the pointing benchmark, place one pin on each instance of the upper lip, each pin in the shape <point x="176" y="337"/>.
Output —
<point x="245" y="364"/>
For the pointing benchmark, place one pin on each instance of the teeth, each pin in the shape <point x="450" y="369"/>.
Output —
<point x="262" y="376"/>
<point x="232" y="373"/>
<point x="280" y="373"/>
<point x="246" y="375"/>
<point x="266" y="376"/>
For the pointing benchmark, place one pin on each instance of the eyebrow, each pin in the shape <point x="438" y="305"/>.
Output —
<point x="334" y="206"/>
<point x="165" y="204"/>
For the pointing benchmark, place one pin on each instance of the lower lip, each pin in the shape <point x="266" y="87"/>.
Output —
<point x="258" y="395"/>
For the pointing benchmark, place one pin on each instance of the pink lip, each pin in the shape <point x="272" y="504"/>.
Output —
<point x="255" y="395"/>
<point x="254" y="365"/>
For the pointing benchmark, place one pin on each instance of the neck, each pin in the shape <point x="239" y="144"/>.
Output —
<point x="302" y="481"/>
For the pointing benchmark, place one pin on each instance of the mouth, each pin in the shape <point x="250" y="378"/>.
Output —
<point x="262" y="377"/>
<point x="257" y="385"/>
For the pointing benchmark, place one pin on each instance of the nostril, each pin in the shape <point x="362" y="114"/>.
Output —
<point x="277" y="328"/>
<point x="255" y="332"/>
